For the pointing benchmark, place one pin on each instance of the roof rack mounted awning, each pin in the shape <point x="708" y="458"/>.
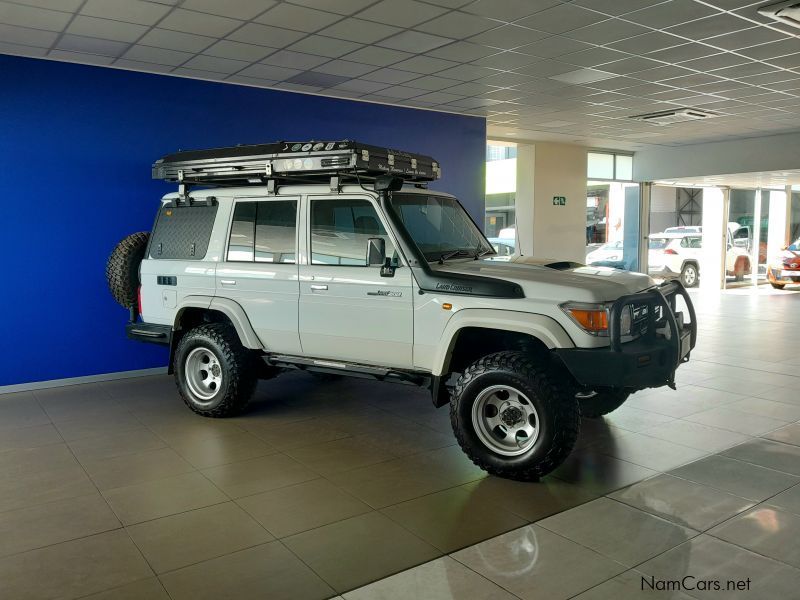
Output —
<point x="299" y="161"/>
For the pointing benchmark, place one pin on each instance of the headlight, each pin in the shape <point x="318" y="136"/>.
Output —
<point x="593" y="318"/>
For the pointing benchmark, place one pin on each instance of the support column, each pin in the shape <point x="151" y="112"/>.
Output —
<point x="715" y="242"/>
<point x="780" y="220"/>
<point x="526" y="165"/>
<point x="645" y="190"/>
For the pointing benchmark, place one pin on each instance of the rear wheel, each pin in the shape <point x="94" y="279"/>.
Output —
<point x="215" y="374"/>
<point x="514" y="418"/>
<point x="689" y="275"/>
<point x="596" y="404"/>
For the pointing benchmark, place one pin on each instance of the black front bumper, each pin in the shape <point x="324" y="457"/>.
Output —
<point x="149" y="332"/>
<point x="652" y="358"/>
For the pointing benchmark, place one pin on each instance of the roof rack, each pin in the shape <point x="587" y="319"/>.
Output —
<point x="258" y="164"/>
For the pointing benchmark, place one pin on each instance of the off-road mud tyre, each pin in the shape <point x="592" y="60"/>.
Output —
<point x="122" y="268"/>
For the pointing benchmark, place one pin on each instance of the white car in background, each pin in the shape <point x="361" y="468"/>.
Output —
<point x="610" y="252"/>
<point x="677" y="256"/>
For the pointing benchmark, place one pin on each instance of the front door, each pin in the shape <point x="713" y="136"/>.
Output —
<point x="260" y="269"/>
<point x="348" y="311"/>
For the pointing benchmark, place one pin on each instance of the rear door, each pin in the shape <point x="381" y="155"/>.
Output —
<point x="348" y="311"/>
<point x="260" y="269"/>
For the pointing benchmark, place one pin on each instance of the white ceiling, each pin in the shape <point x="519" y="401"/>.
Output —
<point x="568" y="70"/>
<point x="775" y="180"/>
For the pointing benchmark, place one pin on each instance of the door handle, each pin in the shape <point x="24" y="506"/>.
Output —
<point x="227" y="282"/>
<point x="318" y="287"/>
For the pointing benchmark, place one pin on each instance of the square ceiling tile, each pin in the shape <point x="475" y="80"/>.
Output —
<point x="613" y="7"/>
<point x="462" y="52"/>
<point x="325" y="46"/>
<point x="313" y="78"/>
<point x="160" y="56"/>
<point x="33" y="17"/>
<point x="670" y="13"/>
<point x="30" y="37"/>
<point x="746" y="38"/>
<point x="546" y="68"/>
<point x="508" y="37"/>
<point x="176" y="40"/>
<point x="294" y="60"/>
<point x="744" y="70"/>
<point x="357" y="30"/>
<point x="678" y="54"/>
<point x="362" y="86"/>
<point x="592" y="57"/>
<point x="63" y="5"/>
<point x="262" y="71"/>
<point x="238" y="51"/>
<point x="508" y="10"/>
<point x="606" y="32"/>
<point x="630" y="65"/>
<point x="345" y="68"/>
<point x="662" y="73"/>
<point x="434" y="82"/>
<point x="298" y="18"/>
<point x="506" y="60"/>
<point x="80" y="57"/>
<point x="707" y="27"/>
<point x="198" y="23"/>
<point x="391" y="76"/>
<point x="561" y="18"/>
<point x="425" y="65"/>
<point x="264" y="35"/>
<point x="648" y="42"/>
<point x="715" y="61"/>
<point x="773" y="49"/>
<point x="342" y="7"/>
<point x="235" y="9"/>
<point x="786" y="62"/>
<point x="198" y="74"/>
<point x="106" y="29"/>
<point x="457" y="25"/>
<point x="401" y="92"/>
<point x="769" y="79"/>
<point x="216" y="64"/>
<point x="553" y="46"/>
<point x="439" y="97"/>
<point x="401" y="14"/>
<point x="130" y="11"/>
<point x="135" y="65"/>
<point x="77" y="43"/>
<point x="375" y="55"/>
<point x="583" y="76"/>
<point x="414" y="41"/>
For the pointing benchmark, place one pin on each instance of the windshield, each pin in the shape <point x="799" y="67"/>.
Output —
<point x="439" y="226"/>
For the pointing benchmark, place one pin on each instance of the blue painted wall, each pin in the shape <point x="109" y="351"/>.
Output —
<point x="76" y="146"/>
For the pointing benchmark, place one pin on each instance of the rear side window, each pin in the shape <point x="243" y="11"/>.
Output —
<point x="182" y="232"/>
<point x="264" y="231"/>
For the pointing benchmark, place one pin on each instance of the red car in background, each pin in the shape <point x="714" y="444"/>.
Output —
<point x="785" y="268"/>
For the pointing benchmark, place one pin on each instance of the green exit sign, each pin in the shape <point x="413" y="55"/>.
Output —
<point x="559" y="200"/>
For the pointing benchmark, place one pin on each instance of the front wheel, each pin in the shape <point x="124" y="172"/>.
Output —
<point x="689" y="276"/>
<point x="215" y="374"/>
<point x="778" y="286"/>
<point x="596" y="404"/>
<point x="514" y="418"/>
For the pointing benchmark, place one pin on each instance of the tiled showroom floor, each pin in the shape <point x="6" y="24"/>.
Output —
<point x="324" y="487"/>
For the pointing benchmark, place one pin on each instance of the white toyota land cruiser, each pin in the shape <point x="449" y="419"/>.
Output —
<point x="334" y="257"/>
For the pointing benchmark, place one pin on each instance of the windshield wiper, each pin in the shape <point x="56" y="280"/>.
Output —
<point x="483" y="252"/>
<point x="451" y="254"/>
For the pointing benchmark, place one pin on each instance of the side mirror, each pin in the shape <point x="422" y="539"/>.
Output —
<point x="376" y="252"/>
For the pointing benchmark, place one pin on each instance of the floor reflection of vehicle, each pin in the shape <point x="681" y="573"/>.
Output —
<point x="607" y="253"/>
<point x="784" y="269"/>
<point x="677" y="256"/>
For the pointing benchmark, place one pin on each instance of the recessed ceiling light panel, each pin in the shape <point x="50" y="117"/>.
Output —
<point x="678" y="115"/>
<point x="785" y="12"/>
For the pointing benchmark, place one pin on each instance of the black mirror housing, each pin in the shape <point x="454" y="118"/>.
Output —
<point x="376" y="252"/>
<point x="388" y="183"/>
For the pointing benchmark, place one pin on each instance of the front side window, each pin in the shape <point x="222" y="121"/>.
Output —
<point x="264" y="232"/>
<point x="340" y="229"/>
<point x="439" y="226"/>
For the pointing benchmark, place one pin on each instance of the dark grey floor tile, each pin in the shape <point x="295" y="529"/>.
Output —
<point x="208" y="452"/>
<point x="301" y="507"/>
<point x="59" y="521"/>
<point x="130" y="469"/>
<point x="767" y="531"/>
<point x="266" y="571"/>
<point x="600" y="473"/>
<point x="122" y="443"/>
<point x="256" y="475"/>
<point x="788" y="500"/>
<point x="624" y="534"/>
<point x="635" y="419"/>
<point x="38" y="459"/>
<point x="530" y="500"/>
<point x="706" y="558"/>
<point x="649" y="452"/>
<point x="766" y="453"/>
<point x="340" y="455"/>
<point x="144" y="589"/>
<point x="351" y="553"/>
<point x="534" y="563"/>
<point x="32" y="487"/>
<point x="442" y="579"/>
<point x="767" y="408"/>
<point x="21" y="410"/>
<point x="697" y="435"/>
<point x="453" y="519"/>
<point x="630" y="586"/>
<point x="163" y="497"/>
<point x="180" y="540"/>
<point x="737" y="477"/>
<point x="285" y="436"/>
<point x="734" y="420"/>
<point x="73" y="569"/>
<point x="681" y="501"/>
